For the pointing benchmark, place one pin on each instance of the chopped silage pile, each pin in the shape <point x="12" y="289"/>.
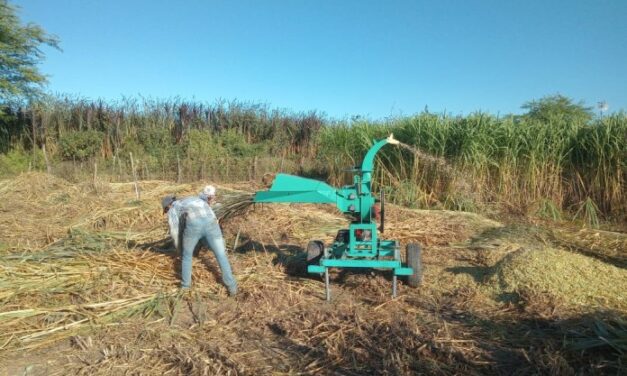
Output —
<point x="574" y="279"/>
<point x="88" y="279"/>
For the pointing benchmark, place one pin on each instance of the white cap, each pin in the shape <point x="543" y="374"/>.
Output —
<point x="209" y="191"/>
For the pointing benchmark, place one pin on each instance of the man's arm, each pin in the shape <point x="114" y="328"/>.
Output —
<point x="173" y="222"/>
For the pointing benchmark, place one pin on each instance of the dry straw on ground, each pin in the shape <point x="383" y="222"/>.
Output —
<point x="88" y="282"/>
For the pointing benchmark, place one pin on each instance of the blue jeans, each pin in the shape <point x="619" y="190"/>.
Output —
<point x="209" y="231"/>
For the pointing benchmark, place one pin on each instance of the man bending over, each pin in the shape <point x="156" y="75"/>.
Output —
<point x="191" y="220"/>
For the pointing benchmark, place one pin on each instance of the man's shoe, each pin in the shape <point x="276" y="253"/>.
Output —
<point x="183" y="289"/>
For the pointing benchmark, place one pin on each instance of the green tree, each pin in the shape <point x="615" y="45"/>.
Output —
<point x="557" y="108"/>
<point x="80" y="144"/>
<point x="20" y="52"/>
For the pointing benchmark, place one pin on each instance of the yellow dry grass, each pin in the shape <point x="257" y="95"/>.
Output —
<point x="83" y="261"/>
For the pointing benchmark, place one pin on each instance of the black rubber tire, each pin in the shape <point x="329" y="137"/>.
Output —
<point x="414" y="261"/>
<point x="315" y="250"/>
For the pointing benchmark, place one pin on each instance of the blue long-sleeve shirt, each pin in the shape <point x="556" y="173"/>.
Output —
<point x="194" y="207"/>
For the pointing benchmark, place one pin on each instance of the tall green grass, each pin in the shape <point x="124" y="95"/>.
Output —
<point x="521" y="164"/>
<point x="514" y="162"/>
<point x="167" y="138"/>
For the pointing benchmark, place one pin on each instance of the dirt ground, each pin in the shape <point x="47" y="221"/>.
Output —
<point x="89" y="286"/>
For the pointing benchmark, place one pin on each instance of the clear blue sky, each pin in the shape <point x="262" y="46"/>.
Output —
<point x="344" y="58"/>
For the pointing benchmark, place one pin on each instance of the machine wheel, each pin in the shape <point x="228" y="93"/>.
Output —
<point x="414" y="261"/>
<point x="315" y="250"/>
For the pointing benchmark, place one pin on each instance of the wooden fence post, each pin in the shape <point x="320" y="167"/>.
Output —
<point x="178" y="168"/>
<point x="254" y="177"/>
<point x="134" y="177"/>
<point x="48" y="167"/>
<point x="95" y="172"/>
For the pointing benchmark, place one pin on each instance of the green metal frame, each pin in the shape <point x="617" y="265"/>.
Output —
<point x="355" y="200"/>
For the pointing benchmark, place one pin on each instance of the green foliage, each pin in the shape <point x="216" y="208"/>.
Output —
<point x="557" y="109"/>
<point x="550" y="160"/>
<point x="203" y="146"/>
<point x="20" y="52"/>
<point x="234" y="144"/>
<point x="609" y="334"/>
<point x="409" y="195"/>
<point x="587" y="212"/>
<point x="599" y="157"/>
<point x="157" y="144"/>
<point x="548" y="210"/>
<point x="154" y="140"/>
<point x="132" y="145"/>
<point x="7" y="124"/>
<point x="19" y="160"/>
<point x="80" y="145"/>
<point x="514" y="163"/>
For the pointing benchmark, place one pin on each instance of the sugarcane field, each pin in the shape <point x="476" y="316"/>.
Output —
<point x="313" y="188"/>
